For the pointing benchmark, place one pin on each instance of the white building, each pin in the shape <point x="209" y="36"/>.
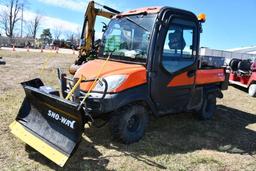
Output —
<point x="249" y="50"/>
<point x="224" y="56"/>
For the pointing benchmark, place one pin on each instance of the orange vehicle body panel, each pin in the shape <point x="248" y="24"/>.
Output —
<point x="150" y="10"/>
<point x="136" y="74"/>
<point x="209" y="76"/>
<point x="181" y="80"/>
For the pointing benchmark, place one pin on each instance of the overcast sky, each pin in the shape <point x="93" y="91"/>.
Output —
<point x="230" y="23"/>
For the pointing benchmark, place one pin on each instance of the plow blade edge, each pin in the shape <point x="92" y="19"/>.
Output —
<point x="51" y="125"/>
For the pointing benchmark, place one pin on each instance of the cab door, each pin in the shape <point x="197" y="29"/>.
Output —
<point x="172" y="77"/>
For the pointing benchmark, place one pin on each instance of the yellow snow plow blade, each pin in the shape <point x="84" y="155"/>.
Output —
<point x="56" y="156"/>
<point x="48" y="123"/>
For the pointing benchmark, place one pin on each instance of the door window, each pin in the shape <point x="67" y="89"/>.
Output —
<point x="178" y="46"/>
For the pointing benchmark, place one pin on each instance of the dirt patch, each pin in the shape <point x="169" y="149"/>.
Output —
<point x="178" y="142"/>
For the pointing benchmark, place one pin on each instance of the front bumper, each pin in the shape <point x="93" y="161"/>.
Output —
<point x="100" y="106"/>
<point x="103" y="102"/>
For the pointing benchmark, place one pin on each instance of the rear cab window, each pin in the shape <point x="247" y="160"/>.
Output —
<point x="179" y="50"/>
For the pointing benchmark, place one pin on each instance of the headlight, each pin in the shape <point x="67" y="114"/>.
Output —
<point x="114" y="81"/>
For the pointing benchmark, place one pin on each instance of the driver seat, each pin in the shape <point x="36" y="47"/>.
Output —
<point x="244" y="67"/>
<point x="176" y="41"/>
<point x="234" y="64"/>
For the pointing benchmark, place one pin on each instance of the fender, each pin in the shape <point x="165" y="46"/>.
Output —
<point x="115" y="101"/>
<point x="138" y="94"/>
<point x="213" y="89"/>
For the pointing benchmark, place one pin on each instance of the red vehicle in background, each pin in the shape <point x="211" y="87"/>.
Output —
<point x="243" y="73"/>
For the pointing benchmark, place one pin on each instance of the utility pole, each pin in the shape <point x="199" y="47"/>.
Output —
<point x="21" y="30"/>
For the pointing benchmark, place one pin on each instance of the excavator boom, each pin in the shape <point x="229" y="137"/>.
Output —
<point x="87" y="37"/>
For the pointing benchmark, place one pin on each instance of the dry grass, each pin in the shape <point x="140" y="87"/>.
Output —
<point x="179" y="142"/>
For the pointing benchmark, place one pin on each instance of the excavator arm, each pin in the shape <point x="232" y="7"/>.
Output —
<point x="87" y="48"/>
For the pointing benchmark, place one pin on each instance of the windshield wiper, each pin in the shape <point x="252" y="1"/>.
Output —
<point x="134" y="22"/>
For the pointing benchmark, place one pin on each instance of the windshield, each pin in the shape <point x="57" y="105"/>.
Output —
<point x="127" y="38"/>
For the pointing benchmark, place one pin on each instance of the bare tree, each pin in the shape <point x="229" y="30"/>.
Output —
<point x="78" y="33"/>
<point x="33" y="25"/>
<point x="70" y="36"/>
<point x="74" y="37"/>
<point x="57" y="32"/>
<point x="10" y="15"/>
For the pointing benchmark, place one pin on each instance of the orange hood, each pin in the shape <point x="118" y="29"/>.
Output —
<point x="136" y="74"/>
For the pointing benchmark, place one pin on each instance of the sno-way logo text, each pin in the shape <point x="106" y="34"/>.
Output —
<point x="62" y="120"/>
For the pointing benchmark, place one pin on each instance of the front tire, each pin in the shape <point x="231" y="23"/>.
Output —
<point x="208" y="107"/>
<point x="128" y="124"/>
<point x="252" y="90"/>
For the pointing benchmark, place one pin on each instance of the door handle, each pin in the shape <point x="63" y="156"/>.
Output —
<point x="191" y="73"/>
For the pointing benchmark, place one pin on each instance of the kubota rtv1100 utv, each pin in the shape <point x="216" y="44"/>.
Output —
<point x="148" y="63"/>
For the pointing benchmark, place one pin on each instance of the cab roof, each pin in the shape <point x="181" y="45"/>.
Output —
<point x="150" y="10"/>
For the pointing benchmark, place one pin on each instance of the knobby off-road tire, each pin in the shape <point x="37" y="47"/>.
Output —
<point x="252" y="90"/>
<point x="2" y="62"/>
<point x="128" y="124"/>
<point x="208" y="108"/>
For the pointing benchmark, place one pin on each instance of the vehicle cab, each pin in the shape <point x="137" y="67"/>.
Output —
<point x="153" y="51"/>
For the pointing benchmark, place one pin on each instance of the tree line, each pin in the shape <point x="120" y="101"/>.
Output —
<point x="12" y="15"/>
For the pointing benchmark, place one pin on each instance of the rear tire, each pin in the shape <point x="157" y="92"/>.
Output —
<point x="252" y="90"/>
<point x="208" y="107"/>
<point x="129" y="123"/>
<point x="2" y="62"/>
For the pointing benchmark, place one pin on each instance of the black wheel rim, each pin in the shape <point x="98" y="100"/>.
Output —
<point x="133" y="123"/>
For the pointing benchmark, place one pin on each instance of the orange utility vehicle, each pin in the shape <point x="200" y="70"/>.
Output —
<point x="148" y="63"/>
